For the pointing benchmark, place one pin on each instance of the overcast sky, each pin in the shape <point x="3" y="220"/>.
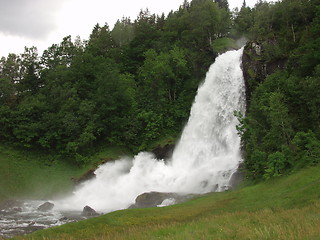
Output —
<point x="41" y="23"/>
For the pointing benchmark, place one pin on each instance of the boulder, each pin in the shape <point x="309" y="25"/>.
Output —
<point x="85" y="177"/>
<point x="89" y="212"/>
<point x="167" y="202"/>
<point x="237" y="177"/>
<point x="47" y="206"/>
<point x="155" y="199"/>
<point x="151" y="199"/>
<point x="163" y="152"/>
<point x="63" y="219"/>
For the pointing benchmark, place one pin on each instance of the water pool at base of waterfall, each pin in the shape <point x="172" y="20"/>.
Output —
<point x="25" y="218"/>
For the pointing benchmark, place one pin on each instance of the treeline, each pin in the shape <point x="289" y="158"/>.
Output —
<point x="281" y="131"/>
<point x="134" y="84"/>
<point x="126" y="86"/>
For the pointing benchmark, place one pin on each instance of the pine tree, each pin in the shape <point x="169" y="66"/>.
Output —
<point x="222" y="3"/>
<point x="244" y="4"/>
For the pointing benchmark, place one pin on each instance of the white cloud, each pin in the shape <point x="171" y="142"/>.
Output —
<point x="41" y="23"/>
<point x="77" y="17"/>
<point x="25" y="19"/>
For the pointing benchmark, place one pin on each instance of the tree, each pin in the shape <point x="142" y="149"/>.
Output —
<point x="243" y="22"/>
<point x="185" y="4"/>
<point x="307" y="148"/>
<point x="281" y="130"/>
<point x="244" y="4"/>
<point x="10" y="76"/>
<point x="162" y="75"/>
<point x="101" y="42"/>
<point x="60" y="54"/>
<point x="223" y="4"/>
<point x="123" y="32"/>
<point x="31" y="81"/>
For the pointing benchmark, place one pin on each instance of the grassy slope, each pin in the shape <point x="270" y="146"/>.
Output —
<point x="283" y="208"/>
<point x="34" y="175"/>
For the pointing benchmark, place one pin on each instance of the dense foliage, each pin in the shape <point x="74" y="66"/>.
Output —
<point x="126" y="86"/>
<point x="281" y="130"/>
<point x="134" y="84"/>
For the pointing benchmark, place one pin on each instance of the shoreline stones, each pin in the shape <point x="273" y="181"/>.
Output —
<point x="10" y="204"/>
<point x="89" y="212"/>
<point x="47" y="206"/>
<point x="160" y="199"/>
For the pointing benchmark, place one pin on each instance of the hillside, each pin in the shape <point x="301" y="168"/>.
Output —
<point x="133" y="87"/>
<point x="287" y="207"/>
<point x="38" y="175"/>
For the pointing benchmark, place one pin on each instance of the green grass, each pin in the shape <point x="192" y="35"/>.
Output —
<point x="105" y="154"/>
<point x="161" y="142"/>
<point x="27" y="175"/>
<point x="34" y="175"/>
<point x="282" y="208"/>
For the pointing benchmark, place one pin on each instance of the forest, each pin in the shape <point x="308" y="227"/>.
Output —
<point x="133" y="85"/>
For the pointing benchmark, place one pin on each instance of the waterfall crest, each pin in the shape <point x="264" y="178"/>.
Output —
<point x="203" y="160"/>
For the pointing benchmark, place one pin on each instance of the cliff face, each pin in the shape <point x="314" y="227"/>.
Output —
<point x="256" y="67"/>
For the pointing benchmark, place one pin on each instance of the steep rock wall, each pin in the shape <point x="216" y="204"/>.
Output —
<point x="256" y="67"/>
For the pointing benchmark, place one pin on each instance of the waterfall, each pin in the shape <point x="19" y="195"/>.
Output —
<point x="203" y="160"/>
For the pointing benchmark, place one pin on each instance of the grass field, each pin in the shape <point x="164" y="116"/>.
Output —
<point x="284" y="208"/>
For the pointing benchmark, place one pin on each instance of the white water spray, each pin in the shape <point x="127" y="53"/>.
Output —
<point x="203" y="161"/>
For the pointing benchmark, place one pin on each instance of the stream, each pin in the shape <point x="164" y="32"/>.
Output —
<point x="18" y="218"/>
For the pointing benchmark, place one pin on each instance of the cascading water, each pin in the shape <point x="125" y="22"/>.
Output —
<point x="203" y="161"/>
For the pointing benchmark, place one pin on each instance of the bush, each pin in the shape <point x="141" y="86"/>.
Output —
<point x="276" y="165"/>
<point x="307" y="148"/>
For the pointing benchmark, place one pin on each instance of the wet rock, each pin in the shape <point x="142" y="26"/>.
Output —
<point x="151" y="199"/>
<point x="256" y="47"/>
<point x="256" y="66"/>
<point x="85" y="177"/>
<point x="11" y="205"/>
<point x="63" y="219"/>
<point x="17" y="209"/>
<point x="47" y="206"/>
<point x="215" y="188"/>
<point x="167" y="202"/>
<point x="164" y="152"/>
<point x="237" y="177"/>
<point x="132" y="206"/>
<point x="154" y="199"/>
<point x="89" y="212"/>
